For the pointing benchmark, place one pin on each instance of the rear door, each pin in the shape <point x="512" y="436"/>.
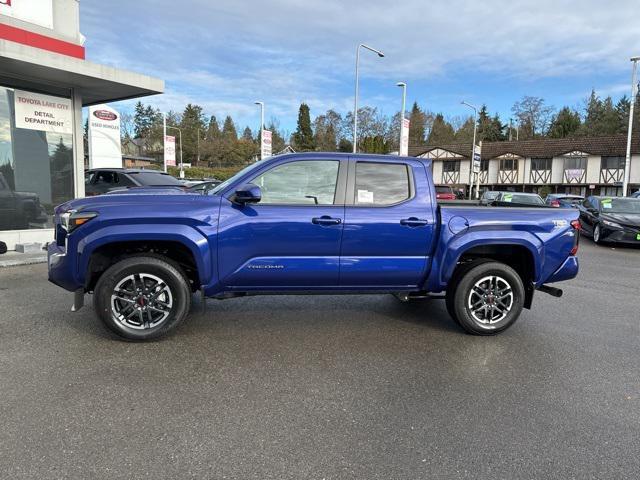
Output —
<point x="389" y="224"/>
<point x="291" y="238"/>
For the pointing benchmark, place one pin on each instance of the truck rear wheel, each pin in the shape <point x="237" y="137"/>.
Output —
<point x="142" y="297"/>
<point x="487" y="298"/>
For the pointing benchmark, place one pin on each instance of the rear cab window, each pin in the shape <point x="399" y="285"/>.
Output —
<point x="381" y="184"/>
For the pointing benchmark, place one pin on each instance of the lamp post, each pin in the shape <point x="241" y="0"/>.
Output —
<point x="261" y="124"/>
<point x="355" y="102"/>
<point x="473" y="148"/>
<point x="180" y="137"/>
<point x="634" y="92"/>
<point x="198" y="154"/>
<point x="404" y="106"/>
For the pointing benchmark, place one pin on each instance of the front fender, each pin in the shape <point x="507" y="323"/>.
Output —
<point x="191" y="238"/>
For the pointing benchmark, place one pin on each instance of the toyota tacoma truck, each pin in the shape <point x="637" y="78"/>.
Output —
<point x="310" y="223"/>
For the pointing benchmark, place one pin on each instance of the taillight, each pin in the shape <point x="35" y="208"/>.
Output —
<point x="575" y="224"/>
<point x="555" y="203"/>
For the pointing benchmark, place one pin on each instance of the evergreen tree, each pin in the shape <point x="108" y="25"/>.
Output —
<point x="441" y="132"/>
<point x="278" y="143"/>
<point x="345" y="145"/>
<point x="303" y="137"/>
<point x="193" y="128"/>
<point x="465" y="133"/>
<point x="247" y="135"/>
<point x="566" y="123"/>
<point x="213" y="130"/>
<point x="417" y="127"/>
<point x="229" y="132"/>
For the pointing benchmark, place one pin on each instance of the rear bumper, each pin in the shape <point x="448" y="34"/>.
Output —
<point x="61" y="268"/>
<point x="567" y="271"/>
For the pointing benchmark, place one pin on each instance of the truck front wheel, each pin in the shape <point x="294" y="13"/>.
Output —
<point x="487" y="298"/>
<point x="142" y="297"/>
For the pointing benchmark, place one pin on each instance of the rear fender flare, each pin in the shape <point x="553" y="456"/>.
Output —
<point x="463" y="243"/>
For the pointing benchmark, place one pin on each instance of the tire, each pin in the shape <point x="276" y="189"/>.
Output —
<point x="493" y="313"/>
<point x="153" y="297"/>
<point x="597" y="234"/>
<point x="460" y="272"/>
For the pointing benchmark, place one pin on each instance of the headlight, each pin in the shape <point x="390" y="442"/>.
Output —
<point x="73" y="219"/>
<point x="611" y="224"/>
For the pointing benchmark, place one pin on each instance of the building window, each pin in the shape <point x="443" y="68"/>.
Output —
<point x="508" y="164"/>
<point x="538" y="164"/>
<point x="612" y="163"/>
<point x="575" y="163"/>
<point x="451" y="166"/>
<point x="36" y="166"/>
<point x="484" y="165"/>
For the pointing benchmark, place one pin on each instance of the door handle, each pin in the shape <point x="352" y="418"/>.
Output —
<point x="326" y="220"/>
<point x="414" y="222"/>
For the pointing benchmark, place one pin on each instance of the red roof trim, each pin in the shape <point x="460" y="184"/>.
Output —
<point x="25" y="37"/>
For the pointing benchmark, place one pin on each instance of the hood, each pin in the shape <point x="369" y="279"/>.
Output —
<point x="628" y="219"/>
<point x="151" y="199"/>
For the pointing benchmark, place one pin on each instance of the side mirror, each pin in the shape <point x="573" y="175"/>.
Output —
<point x="248" y="193"/>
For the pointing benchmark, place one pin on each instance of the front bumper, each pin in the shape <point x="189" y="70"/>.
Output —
<point x="621" y="235"/>
<point x="61" y="268"/>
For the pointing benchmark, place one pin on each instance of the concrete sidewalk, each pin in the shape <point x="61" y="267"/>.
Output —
<point x="14" y="259"/>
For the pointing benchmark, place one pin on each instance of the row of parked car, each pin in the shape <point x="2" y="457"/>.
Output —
<point x="605" y="219"/>
<point x="100" y="181"/>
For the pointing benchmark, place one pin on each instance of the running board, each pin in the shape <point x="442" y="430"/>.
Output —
<point x="553" y="291"/>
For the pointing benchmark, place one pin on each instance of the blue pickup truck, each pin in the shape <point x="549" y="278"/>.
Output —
<point x="308" y="223"/>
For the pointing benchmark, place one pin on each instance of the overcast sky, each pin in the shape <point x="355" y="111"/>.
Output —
<point x="225" y="54"/>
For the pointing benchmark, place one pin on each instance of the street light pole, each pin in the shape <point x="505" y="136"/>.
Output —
<point x="627" y="161"/>
<point x="355" y="102"/>
<point x="261" y="124"/>
<point x="473" y="148"/>
<point x="180" y="138"/>
<point x="198" y="156"/>
<point x="404" y="106"/>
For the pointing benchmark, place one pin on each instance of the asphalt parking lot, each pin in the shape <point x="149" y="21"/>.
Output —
<point x="326" y="387"/>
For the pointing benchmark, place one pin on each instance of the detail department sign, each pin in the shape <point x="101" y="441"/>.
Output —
<point x="43" y="112"/>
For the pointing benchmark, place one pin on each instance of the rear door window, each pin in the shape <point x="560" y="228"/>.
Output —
<point x="381" y="183"/>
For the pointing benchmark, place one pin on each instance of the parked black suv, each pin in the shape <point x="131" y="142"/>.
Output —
<point x="19" y="210"/>
<point x="103" y="180"/>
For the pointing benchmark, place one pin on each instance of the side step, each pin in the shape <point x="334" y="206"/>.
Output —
<point x="553" y="291"/>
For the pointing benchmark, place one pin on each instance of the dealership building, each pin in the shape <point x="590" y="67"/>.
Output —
<point x="44" y="83"/>
<point x="581" y="165"/>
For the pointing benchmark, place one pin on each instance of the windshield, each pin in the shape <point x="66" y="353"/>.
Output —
<point x="522" y="199"/>
<point x="226" y="183"/>
<point x="620" y="205"/>
<point x="155" y="179"/>
<point x="490" y="195"/>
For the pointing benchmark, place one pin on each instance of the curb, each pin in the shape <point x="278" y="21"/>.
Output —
<point x="16" y="262"/>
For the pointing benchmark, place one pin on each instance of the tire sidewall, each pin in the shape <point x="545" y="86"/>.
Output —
<point x="463" y="289"/>
<point x="168" y="273"/>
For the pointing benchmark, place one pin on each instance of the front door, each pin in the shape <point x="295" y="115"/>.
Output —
<point x="291" y="238"/>
<point x="389" y="225"/>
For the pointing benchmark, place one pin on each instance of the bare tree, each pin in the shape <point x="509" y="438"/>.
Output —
<point x="533" y="116"/>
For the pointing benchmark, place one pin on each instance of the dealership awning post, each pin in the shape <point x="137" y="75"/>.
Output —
<point x="627" y="161"/>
